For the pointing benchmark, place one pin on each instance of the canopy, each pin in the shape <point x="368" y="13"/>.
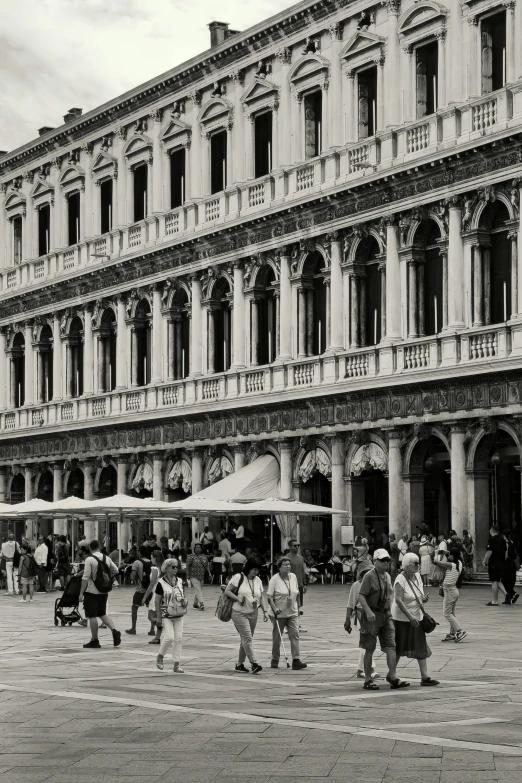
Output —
<point x="278" y="506"/>
<point x="126" y="504"/>
<point x="196" y="505"/>
<point x="28" y="508"/>
<point x="258" y="480"/>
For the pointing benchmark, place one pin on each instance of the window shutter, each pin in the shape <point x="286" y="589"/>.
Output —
<point x="487" y="60"/>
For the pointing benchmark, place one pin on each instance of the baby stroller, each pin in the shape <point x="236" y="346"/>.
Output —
<point x="66" y="607"/>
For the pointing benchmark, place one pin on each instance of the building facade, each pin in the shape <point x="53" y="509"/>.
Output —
<point x="305" y="241"/>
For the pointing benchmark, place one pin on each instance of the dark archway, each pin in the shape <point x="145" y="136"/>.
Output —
<point x="316" y="532"/>
<point x="75" y="483"/>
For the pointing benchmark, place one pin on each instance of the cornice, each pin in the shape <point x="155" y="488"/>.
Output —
<point x="385" y="192"/>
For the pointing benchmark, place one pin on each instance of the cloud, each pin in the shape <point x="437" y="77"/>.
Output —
<point x="55" y="54"/>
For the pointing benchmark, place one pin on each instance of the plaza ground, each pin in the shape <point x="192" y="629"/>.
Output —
<point x="69" y="714"/>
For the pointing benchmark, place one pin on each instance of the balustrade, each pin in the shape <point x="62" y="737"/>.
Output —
<point x="254" y="382"/>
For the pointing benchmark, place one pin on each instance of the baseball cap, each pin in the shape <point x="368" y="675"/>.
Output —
<point x="381" y="554"/>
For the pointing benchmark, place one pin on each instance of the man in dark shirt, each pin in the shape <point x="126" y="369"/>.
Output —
<point x="495" y="560"/>
<point x="298" y="568"/>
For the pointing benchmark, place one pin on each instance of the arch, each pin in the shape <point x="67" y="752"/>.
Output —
<point x="215" y="113"/>
<point x="308" y="260"/>
<point x="374" y="445"/>
<point x="44" y="488"/>
<point x="141" y="479"/>
<point x="106" y="480"/>
<point x="179" y="294"/>
<point x="138" y="146"/>
<point x="17" y="488"/>
<point x="18" y="339"/>
<point x="487" y="206"/>
<point x="74" y="482"/>
<point x="75" y="324"/>
<point x="360" y="249"/>
<point x="72" y="177"/>
<point x="419" y="16"/>
<point x="409" y="460"/>
<point x="218" y="284"/>
<point x="218" y="468"/>
<point x="313" y="460"/>
<point x="481" y="433"/>
<point x="262" y="272"/>
<point x="43" y="329"/>
<point x="311" y="70"/>
<point x="179" y="475"/>
<point x="15" y="202"/>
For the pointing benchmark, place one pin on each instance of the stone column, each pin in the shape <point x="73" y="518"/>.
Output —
<point x="28" y="474"/>
<point x="3" y="485"/>
<point x="393" y="283"/>
<point x="194" y="185"/>
<point x="391" y="81"/>
<point x="179" y="350"/>
<point x="336" y="294"/>
<point x="124" y="525"/>
<point x="171" y="344"/>
<point x="86" y="230"/>
<point x="518" y="49"/>
<point x="362" y="309"/>
<point x="157" y="490"/>
<point x="309" y="322"/>
<point x="354" y="311"/>
<point x="157" y="354"/>
<point x="420" y="299"/>
<point x="513" y="305"/>
<point x="285" y="449"/>
<point x="284" y="157"/>
<point x="382" y="267"/>
<point x="195" y="348"/>
<point x="398" y="523"/>
<point x="120" y="185"/>
<point x="510" y="42"/>
<point x="459" y="498"/>
<point x="28" y="363"/>
<point x="134" y="356"/>
<point x="335" y="104"/>
<point x="56" y="239"/>
<point x="239" y="456"/>
<point x="254" y="320"/>
<point x="442" y="64"/>
<point x="3" y="374"/>
<point x="121" y="345"/>
<point x="40" y="371"/>
<point x="197" y="481"/>
<point x="455" y="265"/>
<point x="88" y="379"/>
<point x="129" y="196"/>
<point x="57" y="468"/>
<point x="57" y="358"/>
<point x="285" y="308"/>
<point x="205" y="164"/>
<point x="338" y="489"/>
<point x="412" y="299"/>
<point x="211" y="361"/>
<point x="478" y="303"/>
<point x="157" y="163"/>
<point x="88" y="468"/>
<point x="302" y="323"/>
<point x="238" y="321"/>
<point x="486" y="282"/>
<point x="445" y="287"/>
<point x="380" y="95"/>
<point x="248" y="132"/>
<point x="230" y="158"/>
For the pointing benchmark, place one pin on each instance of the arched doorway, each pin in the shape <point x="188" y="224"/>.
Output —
<point x="497" y="262"/>
<point x="426" y="309"/>
<point x="18" y="488"/>
<point x="75" y="483"/>
<point x="369" y="489"/>
<point x="430" y="486"/>
<point x="312" y="305"/>
<point x="315" y="533"/>
<point x="179" y="336"/>
<point x="366" y="291"/>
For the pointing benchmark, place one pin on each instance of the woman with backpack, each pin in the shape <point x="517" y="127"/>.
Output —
<point x="27" y="570"/>
<point x="453" y="575"/>
<point x="246" y="592"/>
<point x="171" y="607"/>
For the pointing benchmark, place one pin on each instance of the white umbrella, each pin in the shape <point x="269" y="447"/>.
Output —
<point x="7" y="510"/>
<point x="197" y="505"/>
<point x="32" y="507"/>
<point x="128" y="505"/>
<point x="278" y="506"/>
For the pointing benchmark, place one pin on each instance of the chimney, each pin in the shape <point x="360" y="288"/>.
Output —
<point x="44" y="130"/>
<point x="218" y="33"/>
<point x="72" y="114"/>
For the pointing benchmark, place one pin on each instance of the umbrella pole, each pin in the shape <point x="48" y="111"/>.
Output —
<point x="119" y="538"/>
<point x="72" y="539"/>
<point x="271" y="544"/>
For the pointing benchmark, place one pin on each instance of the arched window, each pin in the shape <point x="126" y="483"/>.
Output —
<point x="265" y="337"/>
<point x="18" y="489"/>
<point x="179" y="336"/>
<point x="312" y="308"/>
<point x="366" y="292"/>
<point x="220" y="331"/>
<point x="497" y="264"/>
<point x="18" y="371"/>
<point x="45" y="486"/>
<point x="141" y="344"/>
<point x="45" y="365"/>
<point x="426" y="294"/>
<point x="75" y="484"/>
<point x="75" y="358"/>
<point x="107" y="352"/>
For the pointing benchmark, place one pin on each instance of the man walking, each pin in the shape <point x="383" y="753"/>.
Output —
<point x="375" y="597"/>
<point x="98" y="574"/>
<point x="11" y="553"/>
<point x="298" y="568"/>
<point x="40" y="557"/>
<point x="140" y="575"/>
<point x="494" y="560"/>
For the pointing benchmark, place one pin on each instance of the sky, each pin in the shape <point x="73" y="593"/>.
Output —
<point x="59" y="54"/>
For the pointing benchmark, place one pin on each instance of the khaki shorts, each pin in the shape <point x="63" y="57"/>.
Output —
<point x="381" y="628"/>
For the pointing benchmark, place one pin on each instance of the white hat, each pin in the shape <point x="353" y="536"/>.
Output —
<point x="381" y="554"/>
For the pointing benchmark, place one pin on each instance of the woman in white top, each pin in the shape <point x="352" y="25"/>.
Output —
<point x="408" y="598"/>
<point x="155" y="573"/>
<point x="246" y="591"/>
<point x="426" y="556"/>
<point x="282" y="594"/>
<point x="171" y="606"/>
<point x="452" y="571"/>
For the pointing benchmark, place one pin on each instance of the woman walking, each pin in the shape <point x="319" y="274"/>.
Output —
<point x="282" y="594"/>
<point x="452" y="571"/>
<point x="246" y="591"/>
<point x="27" y="570"/>
<point x="197" y="567"/>
<point x="171" y="606"/>
<point x="408" y="599"/>
<point x="426" y="559"/>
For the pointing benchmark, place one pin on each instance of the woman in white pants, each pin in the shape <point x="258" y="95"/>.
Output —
<point x="171" y="607"/>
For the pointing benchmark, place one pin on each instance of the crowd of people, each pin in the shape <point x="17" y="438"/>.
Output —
<point x="387" y="600"/>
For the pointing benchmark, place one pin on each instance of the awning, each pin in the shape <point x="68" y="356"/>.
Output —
<point x="256" y="481"/>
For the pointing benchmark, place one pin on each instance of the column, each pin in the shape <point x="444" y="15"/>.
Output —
<point x="3" y="373"/>
<point x="91" y="527"/>
<point x="285" y="449"/>
<point x="3" y="485"/>
<point x="134" y="356"/>
<point x="457" y="54"/>
<point x="420" y="298"/>
<point x="56" y="239"/>
<point x="254" y="318"/>
<point x="309" y="322"/>
<point x="157" y="163"/>
<point x="335" y="103"/>
<point x="455" y="265"/>
<point x="28" y="363"/>
<point x="444" y="255"/>
<point x="478" y="304"/>
<point x="194" y="184"/>
<point x="354" y="311"/>
<point x="102" y="345"/>
<point x="362" y="309"/>
<point x="40" y="372"/>
<point x="57" y="468"/>
<point x="121" y="344"/>
<point x="518" y="49"/>
<point x="285" y="308"/>
<point x="510" y="42"/>
<point x="459" y="497"/>
<point x="88" y="379"/>
<point x="382" y="267"/>
<point x="380" y="94"/>
<point x="412" y="299"/>
<point x="230" y="158"/>
<point x="441" y="86"/>
<point x="239" y="456"/>
<point x="406" y="98"/>
<point x="352" y="121"/>
<point x="338" y="489"/>
<point x="238" y="321"/>
<point x="196" y="343"/>
<point x="205" y="164"/>
<point x="391" y="82"/>
<point x="129" y="195"/>
<point x="296" y="113"/>
<point x="393" y="283"/>
<point x="179" y="349"/>
<point x="248" y="131"/>
<point x="171" y="342"/>
<point x="398" y="523"/>
<point x="197" y="481"/>
<point x="157" y="490"/>
<point x="28" y="472"/>
<point x="120" y="186"/>
<point x="86" y="231"/>
<point x="157" y="354"/>
<point x="486" y="283"/>
<point x="211" y="361"/>
<point x="13" y="382"/>
<point x="150" y="189"/>
<point x="514" y="276"/>
<point x="57" y="358"/>
<point x="336" y="294"/>
<point x="124" y="527"/>
<point x="284" y="157"/>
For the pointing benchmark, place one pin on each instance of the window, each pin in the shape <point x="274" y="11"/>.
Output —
<point x="177" y="178"/>
<point x="218" y="161"/>
<point x="17" y="239"/>
<point x="74" y="218"/>
<point x="263" y="144"/>
<point x="493" y="42"/>
<point x="372" y="310"/>
<point x="140" y="191"/>
<point x="367" y="89"/>
<point x="106" y="206"/>
<point x="433" y="291"/>
<point x="313" y="113"/>
<point x="427" y="78"/>
<point x="44" y="225"/>
<point x="500" y="271"/>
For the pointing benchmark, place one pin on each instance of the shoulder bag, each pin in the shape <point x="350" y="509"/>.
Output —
<point x="428" y="624"/>
<point x="225" y="604"/>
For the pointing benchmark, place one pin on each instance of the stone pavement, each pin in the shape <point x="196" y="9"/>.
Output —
<point x="69" y="714"/>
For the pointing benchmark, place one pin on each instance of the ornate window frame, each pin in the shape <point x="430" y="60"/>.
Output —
<point x="310" y="72"/>
<point x="104" y="167"/>
<point x="477" y="8"/>
<point x="260" y="96"/>
<point x="42" y="193"/>
<point x="362" y="50"/>
<point x="15" y="204"/>
<point x="426" y="19"/>
<point x="175" y="134"/>
<point x="216" y="114"/>
<point x="72" y="180"/>
<point x="138" y="150"/>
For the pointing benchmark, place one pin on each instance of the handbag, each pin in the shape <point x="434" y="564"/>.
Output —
<point x="225" y="604"/>
<point x="428" y="623"/>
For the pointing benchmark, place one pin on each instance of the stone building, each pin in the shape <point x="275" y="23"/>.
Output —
<point x="303" y="242"/>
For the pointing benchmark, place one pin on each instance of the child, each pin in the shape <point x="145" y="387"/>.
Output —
<point x="352" y="607"/>
<point x="27" y="570"/>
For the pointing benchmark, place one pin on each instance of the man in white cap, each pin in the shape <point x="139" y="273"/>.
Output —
<point x="375" y="598"/>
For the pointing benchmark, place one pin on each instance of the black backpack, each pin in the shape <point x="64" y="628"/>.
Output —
<point x="32" y="568"/>
<point x="147" y="570"/>
<point x="103" y="579"/>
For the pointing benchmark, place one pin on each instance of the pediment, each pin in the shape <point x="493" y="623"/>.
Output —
<point x="15" y="201"/>
<point x="41" y="190"/>
<point x="139" y="144"/>
<point x="260" y="93"/>
<point x="361" y="47"/>
<point x="310" y="68"/>
<point x="420" y="16"/>
<point x="216" y="111"/>
<point x="72" y="177"/>
<point x="105" y="165"/>
<point x="175" y="133"/>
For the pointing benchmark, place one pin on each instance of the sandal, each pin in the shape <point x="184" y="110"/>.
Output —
<point x="429" y="681"/>
<point x="395" y="684"/>
<point x="369" y="685"/>
<point x="159" y="663"/>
